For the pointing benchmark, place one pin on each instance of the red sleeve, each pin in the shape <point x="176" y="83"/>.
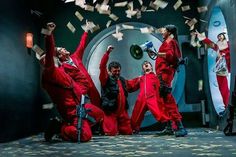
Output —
<point x="50" y="51"/>
<point x="210" y="43"/>
<point x="133" y="84"/>
<point x="173" y="52"/>
<point x="81" y="47"/>
<point x="103" y="69"/>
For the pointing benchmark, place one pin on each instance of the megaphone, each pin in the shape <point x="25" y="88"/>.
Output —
<point x="136" y="51"/>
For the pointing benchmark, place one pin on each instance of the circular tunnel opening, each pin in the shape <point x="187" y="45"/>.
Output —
<point x="131" y="67"/>
<point x="219" y="78"/>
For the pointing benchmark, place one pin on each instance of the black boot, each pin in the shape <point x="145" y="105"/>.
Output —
<point x="181" y="132"/>
<point x="167" y="131"/>
<point x="53" y="128"/>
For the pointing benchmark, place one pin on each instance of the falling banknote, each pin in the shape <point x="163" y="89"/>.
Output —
<point x="71" y="27"/>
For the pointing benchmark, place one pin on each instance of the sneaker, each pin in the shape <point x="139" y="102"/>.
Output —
<point x="164" y="132"/>
<point x="181" y="132"/>
<point x="135" y="132"/>
<point x="222" y="113"/>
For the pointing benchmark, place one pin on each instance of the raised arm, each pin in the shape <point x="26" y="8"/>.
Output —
<point x="50" y="47"/>
<point x="81" y="46"/>
<point x="103" y="76"/>
<point x="211" y="44"/>
<point x="205" y="40"/>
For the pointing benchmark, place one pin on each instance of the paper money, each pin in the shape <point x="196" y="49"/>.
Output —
<point x="152" y="5"/>
<point x="45" y="31"/>
<point x="203" y="21"/>
<point x="108" y="23"/>
<point x="130" y="13"/>
<point x="67" y="1"/>
<point x="159" y="30"/>
<point x="187" y="17"/>
<point x="105" y="2"/>
<point x="140" y="2"/>
<point x="202" y="9"/>
<point x="38" y="51"/>
<point x="147" y="30"/>
<point x="97" y="27"/>
<point x="185" y="8"/>
<point x="121" y="4"/>
<point x="118" y="35"/>
<point x="125" y="26"/>
<point x="80" y="3"/>
<point x="113" y="17"/>
<point x="193" y="39"/>
<point x="79" y="16"/>
<point x="104" y="7"/>
<point x="160" y="3"/>
<point x="130" y="5"/>
<point x="139" y="14"/>
<point x="36" y="12"/>
<point x="150" y="10"/>
<point x="143" y="8"/>
<point x="192" y="22"/>
<point x="71" y="27"/>
<point x="89" y="26"/>
<point x="200" y="85"/>
<point x="177" y="4"/>
<point x="89" y="8"/>
<point x="98" y="7"/>
<point x="191" y="27"/>
<point x="201" y="36"/>
<point x="47" y="106"/>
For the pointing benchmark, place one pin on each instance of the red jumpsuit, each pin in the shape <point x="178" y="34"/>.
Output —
<point x="222" y="80"/>
<point x="66" y="94"/>
<point x="166" y="67"/>
<point x="118" y="121"/>
<point x="80" y="74"/>
<point x="148" y="99"/>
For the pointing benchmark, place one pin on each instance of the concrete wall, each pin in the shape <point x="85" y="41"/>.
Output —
<point x="20" y="111"/>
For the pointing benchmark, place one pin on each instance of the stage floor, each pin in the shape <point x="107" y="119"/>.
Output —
<point x="199" y="142"/>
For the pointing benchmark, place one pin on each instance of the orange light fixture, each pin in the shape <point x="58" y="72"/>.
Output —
<point x="29" y="40"/>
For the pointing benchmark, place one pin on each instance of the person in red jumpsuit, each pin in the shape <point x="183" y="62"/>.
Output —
<point x="165" y="66"/>
<point x="66" y="94"/>
<point x="222" y="49"/>
<point x="114" y="98"/>
<point x="74" y="66"/>
<point x="148" y="97"/>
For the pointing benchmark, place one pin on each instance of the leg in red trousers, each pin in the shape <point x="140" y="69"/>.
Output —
<point x="224" y="89"/>
<point x="124" y="124"/>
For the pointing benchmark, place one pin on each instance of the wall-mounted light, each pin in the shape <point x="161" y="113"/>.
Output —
<point x="29" y="40"/>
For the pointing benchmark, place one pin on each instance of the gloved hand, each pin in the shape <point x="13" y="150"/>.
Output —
<point x="87" y="26"/>
<point x="51" y="26"/>
<point x="200" y="36"/>
<point x="110" y="48"/>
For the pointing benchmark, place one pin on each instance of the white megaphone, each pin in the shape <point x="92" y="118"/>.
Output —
<point x="136" y="51"/>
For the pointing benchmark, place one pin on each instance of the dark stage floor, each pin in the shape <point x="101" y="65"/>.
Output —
<point x="199" y="142"/>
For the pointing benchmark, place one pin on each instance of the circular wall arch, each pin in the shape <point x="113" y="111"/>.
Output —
<point x="130" y="67"/>
<point x="217" y="24"/>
